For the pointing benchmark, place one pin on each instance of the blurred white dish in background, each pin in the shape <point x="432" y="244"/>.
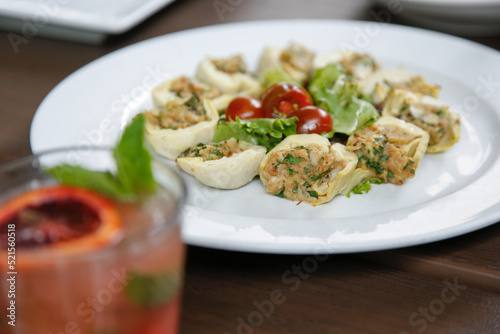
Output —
<point x="461" y="17"/>
<point x="89" y="21"/>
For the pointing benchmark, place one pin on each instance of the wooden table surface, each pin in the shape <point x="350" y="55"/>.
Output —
<point x="451" y="286"/>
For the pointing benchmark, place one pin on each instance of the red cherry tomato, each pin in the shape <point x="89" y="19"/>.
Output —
<point x="282" y="98"/>
<point x="244" y="107"/>
<point x="313" y="120"/>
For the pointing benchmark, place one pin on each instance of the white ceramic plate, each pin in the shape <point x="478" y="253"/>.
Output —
<point x="462" y="17"/>
<point x="84" y="21"/>
<point x="453" y="193"/>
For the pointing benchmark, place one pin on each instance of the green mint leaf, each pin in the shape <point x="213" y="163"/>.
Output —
<point x="152" y="290"/>
<point x="102" y="182"/>
<point x="274" y="75"/>
<point x="133" y="160"/>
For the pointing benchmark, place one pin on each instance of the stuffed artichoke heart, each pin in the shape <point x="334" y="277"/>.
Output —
<point x="378" y="85"/>
<point x="229" y="75"/>
<point x="360" y="66"/>
<point x="185" y="88"/>
<point x="390" y="150"/>
<point x="439" y="120"/>
<point x="180" y="124"/>
<point x="229" y="164"/>
<point x="295" y="60"/>
<point x="307" y="168"/>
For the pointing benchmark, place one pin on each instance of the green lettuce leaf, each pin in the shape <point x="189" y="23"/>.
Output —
<point x="364" y="187"/>
<point x="325" y="77"/>
<point x="267" y="132"/>
<point x="335" y="92"/>
<point x="273" y="75"/>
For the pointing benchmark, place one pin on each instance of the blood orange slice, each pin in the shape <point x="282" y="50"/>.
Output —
<point x="61" y="219"/>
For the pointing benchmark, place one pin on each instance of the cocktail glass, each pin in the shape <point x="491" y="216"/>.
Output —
<point x="130" y="284"/>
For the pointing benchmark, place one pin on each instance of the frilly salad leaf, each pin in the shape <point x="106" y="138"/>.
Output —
<point x="133" y="173"/>
<point x="273" y="75"/>
<point x="267" y="132"/>
<point x="334" y="91"/>
<point x="364" y="187"/>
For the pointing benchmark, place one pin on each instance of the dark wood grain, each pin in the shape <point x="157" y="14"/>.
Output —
<point x="396" y="291"/>
<point x="340" y="294"/>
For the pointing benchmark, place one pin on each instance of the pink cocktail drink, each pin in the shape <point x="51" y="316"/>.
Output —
<point x="78" y="262"/>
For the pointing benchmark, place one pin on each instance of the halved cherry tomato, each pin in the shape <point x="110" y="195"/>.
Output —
<point x="313" y="120"/>
<point x="244" y="108"/>
<point x="283" y="98"/>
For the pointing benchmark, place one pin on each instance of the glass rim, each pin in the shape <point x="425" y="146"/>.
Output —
<point x="177" y="188"/>
<point x="16" y="161"/>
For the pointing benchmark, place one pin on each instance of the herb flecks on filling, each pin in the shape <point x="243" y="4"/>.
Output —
<point x="178" y="114"/>
<point x="301" y="173"/>
<point x="234" y="64"/>
<point x="185" y="88"/>
<point x="434" y="120"/>
<point x="379" y="150"/>
<point x="214" y="151"/>
<point x="297" y="57"/>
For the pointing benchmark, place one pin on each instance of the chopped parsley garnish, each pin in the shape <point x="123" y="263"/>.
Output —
<point x="290" y="172"/>
<point x="316" y="177"/>
<point x="375" y="165"/>
<point x="217" y="152"/>
<point x="306" y="184"/>
<point x="193" y="101"/>
<point x="313" y="194"/>
<point x="409" y="164"/>
<point x="292" y="160"/>
<point x="281" y="193"/>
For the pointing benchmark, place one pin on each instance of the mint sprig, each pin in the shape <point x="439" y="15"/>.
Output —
<point x="133" y="160"/>
<point x="133" y="173"/>
<point x="152" y="290"/>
